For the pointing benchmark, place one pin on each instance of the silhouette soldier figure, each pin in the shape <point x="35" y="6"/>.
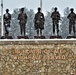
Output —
<point x="7" y="19"/>
<point x="22" y="17"/>
<point x="55" y="20"/>
<point x="39" y="22"/>
<point x="72" y="18"/>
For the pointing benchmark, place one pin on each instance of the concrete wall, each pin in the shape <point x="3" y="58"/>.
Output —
<point x="38" y="57"/>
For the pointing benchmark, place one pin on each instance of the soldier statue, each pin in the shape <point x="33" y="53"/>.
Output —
<point x="39" y="22"/>
<point x="7" y="19"/>
<point x="55" y="20"/>
<point x="22" y="17"/>
<point x="72" y="18"/>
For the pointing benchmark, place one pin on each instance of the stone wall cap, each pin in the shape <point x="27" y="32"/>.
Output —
<point x="37" y="41"/>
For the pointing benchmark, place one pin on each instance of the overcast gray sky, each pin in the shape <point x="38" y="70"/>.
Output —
<point x="33" y="4"/>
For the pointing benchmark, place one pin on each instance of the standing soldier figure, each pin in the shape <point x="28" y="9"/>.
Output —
<point x="72" y="18"/>
<point x="55" y="19"/>
<point x="22" y="17"/>
<point x="39" y="22"/>
<point x="7" y="19"/>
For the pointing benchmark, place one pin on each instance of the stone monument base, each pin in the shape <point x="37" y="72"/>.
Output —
<point x="39" y="37"/>
<point x="38" y="57"/>
<point x="6" y="37"/>
<point x="22" y="37"/>
<point x="54" y="37"/>
<point x="69" y="37"/>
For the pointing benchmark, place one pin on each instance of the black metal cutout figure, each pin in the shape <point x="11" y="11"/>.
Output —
<point x="7" y="19"/>
<point x="22" y="17"/>
<point x="39" y="22"/>
<point x="55" y="19"/>
<point x="72" y="18"/>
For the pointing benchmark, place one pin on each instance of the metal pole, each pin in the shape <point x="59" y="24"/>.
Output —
<point x="1" y="17"/>
<point x="41" y="4"/>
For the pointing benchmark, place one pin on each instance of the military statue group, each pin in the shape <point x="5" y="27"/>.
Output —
<point x="39" y="21"/>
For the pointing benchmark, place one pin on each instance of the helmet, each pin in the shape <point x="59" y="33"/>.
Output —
<point x="7" y="9"/>
<point x="71" y="9"/>
<point x="55" y="8"/>
<point x="39" y="8"/>
<point x="22" y="9"/>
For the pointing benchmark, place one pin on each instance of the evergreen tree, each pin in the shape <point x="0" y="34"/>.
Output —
<point x="65" y="23"/>
<point x="48" y="25"/>
<point x="30" y="24"/>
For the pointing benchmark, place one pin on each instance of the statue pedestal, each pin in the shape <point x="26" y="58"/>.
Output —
<point x="54" y="37"/>
<point x="39" y="37"/>
<point x="6" y="37"/>
<point x="70" y="37"/>
<point x="22" y="37"/>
